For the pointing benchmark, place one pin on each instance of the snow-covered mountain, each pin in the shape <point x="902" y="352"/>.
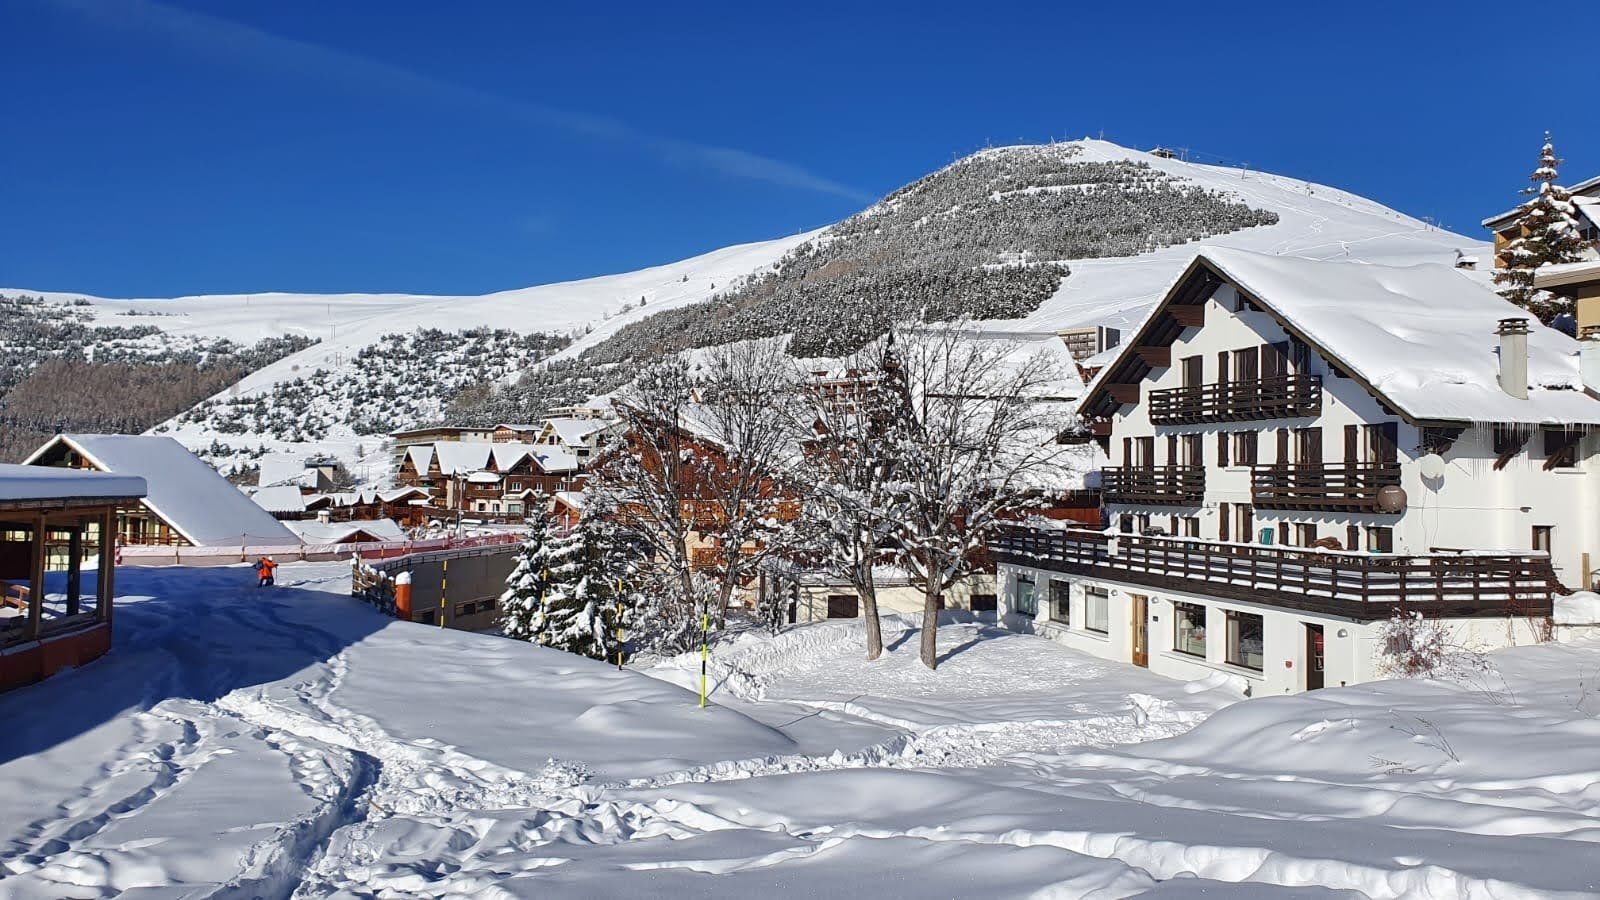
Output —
<point x="1034" y="238"/>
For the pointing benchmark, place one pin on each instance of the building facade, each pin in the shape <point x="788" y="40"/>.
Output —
<point x="1299" y="449"/>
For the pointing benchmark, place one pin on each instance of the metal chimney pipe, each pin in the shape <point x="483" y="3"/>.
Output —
<point x="1514" y="357"/>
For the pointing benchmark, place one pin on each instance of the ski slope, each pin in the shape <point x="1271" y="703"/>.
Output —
<point x="293" y="742"/>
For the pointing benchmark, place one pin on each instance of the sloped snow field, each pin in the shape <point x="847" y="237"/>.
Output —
<point x="240" y="742"/>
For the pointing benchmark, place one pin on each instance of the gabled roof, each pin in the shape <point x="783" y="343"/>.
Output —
<point x="394" y="494"/>
<point x="339" y="532"/>
<point x="278" y="468"/>
<point x="282" y="498"/>
<point x="1588" y="187"/>
<point x="22" y="484"/>
<point x="185" y="492"/>
<point x="1420" y="338"/>
<point x="421" y="456"/>
<point x="572" y="431"/>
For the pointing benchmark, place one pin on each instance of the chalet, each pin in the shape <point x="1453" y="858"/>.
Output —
<point x="579" y="434"/>
<point x="187" y="504"/>
<point x="367" y="531"/>
<point x="401" y="441"/>
<point x="310" y="476"/>
<point x="55" y="612"/>
<point x="1299" y="449"/>
<point x="1578" y="280"/>
<point x="494" y="478"/>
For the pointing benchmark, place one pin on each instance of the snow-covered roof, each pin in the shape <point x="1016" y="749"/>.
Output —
<point x="339" y="532"/>
<point x="570" y="499"/>
<point x="555" y="459"/>
<point x="518" y="427"/>
<point x="571" y="431"/>
<point x="461" y="457"/>
<point x="483" y="478"/>
<point x="1567" y="273"/>
<point x="393" y="494"/>
<point x="185" y="492"/>
<point x="1423" y="337"/>
<point x="279" y="469"/>
<point x="19" y="483"/>
<point x="421" y="456"/>
<point x="281" y="498"/>
<point x="1577" y="191"/>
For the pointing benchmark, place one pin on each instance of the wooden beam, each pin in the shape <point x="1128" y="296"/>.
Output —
<point x="1124" y="393"/>
<point x="108" y="562"/>
<point x="1155" y="357"/>
<point x="36" y="580"/>
<point x="1187" y="316"/>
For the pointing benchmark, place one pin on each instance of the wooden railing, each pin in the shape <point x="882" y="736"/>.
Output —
<point x="1157" y="484"/>
<point x="1275" y="397"/>
<point x="1355" y="585"/>
<point x="1335" y="486"/>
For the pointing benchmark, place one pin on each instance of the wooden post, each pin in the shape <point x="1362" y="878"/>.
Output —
<point x="108" y="562"/>
<point x="36" y="580"/>
<point x="74" y="566"/>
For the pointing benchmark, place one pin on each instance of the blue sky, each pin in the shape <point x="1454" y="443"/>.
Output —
<point x="155" y="149"/>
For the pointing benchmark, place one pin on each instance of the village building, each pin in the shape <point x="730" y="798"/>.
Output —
<point x="1300" y="449"/>
<point x="57" y="566"/>
<point x="488" y="478"/>
<point x="1577" y="280"/>
<point x="187" y="503"/>
<point x="367" y="531"/>
<point x="402" y="441"/>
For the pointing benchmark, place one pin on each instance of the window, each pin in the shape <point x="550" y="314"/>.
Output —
<point x="1245" y="364"/>
<point x="843" y="606"/>
<point x="1245" y="641"/>
<point x="1305" y="533"/>
<point x="1023" y="601"/>
<point x="1308" y="446"/>
<point x="983" y="603"/>
<point x="1352" y="538"/>
<point x="1244" y="448"/>
<point x="1194" y="451"/>
<point x="1192" y="371"/>
<point x="1125" y="523"/>
<point x="1380" y="539"/>
<point x="1543" y="537"/>
<point x="1245" y="518"/>
<point x="1189" y="635"/>
<point x="1383" y="443"/>
<point x="1061" y="601"/>
<point x="1096" y="609"/>
<point x="1191" y="526"/>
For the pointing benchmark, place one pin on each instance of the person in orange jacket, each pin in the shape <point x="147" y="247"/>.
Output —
<point x="265" y="566"/>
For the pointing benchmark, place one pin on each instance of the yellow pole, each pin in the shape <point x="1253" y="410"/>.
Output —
<point x="621" y="634"/>
<point x="705" y="654"/>
<point x="444" y="590"/>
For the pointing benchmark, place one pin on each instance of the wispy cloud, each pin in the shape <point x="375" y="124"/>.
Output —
<point x="233" y="42"/>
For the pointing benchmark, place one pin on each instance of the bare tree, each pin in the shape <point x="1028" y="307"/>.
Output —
<point x="974" y="444"/>
<point x="646" y="473"/>
<point x="746" y="409"/>
<point x="852" y="510"/>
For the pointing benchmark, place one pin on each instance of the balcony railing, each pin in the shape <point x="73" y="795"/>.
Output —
<point x="1156" y="484"/>
<point x="1352" y="487"/>
<point x="1276" y="397"/>
<point x="1353" y="585"/>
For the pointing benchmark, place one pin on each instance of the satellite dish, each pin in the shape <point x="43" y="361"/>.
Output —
<point x="1432" y="466"/>
<point x="1391" y="499"/>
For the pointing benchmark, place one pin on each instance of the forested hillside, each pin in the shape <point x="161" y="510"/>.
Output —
<point x="985" y="237"/>
<point x="58" y="372"/>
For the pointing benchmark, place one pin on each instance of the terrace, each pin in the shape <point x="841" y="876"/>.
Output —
<point x="1353" y="585"/>
<point x="1275" y="397"/>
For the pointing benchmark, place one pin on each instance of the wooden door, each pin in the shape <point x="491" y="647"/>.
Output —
<point x="1314" y="657"/>
<point x="1141" y="630"/>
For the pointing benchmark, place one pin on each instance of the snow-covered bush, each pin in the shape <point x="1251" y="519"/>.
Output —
<point x="1410" y="646"/>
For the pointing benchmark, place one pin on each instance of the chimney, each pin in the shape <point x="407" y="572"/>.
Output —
<point x="1589" y="359"/>
<point x="1514" y="357"/>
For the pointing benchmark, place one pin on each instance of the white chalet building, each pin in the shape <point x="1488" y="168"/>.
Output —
<point x="1300" y="448"/>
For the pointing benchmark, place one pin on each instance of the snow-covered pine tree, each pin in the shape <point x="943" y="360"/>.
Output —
<point x="579" y="613"/>
<point x="522" y="605"/>
<point x="1549" y="235"/>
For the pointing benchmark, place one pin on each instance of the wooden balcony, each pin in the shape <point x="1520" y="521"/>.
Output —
<point x="1359" y="586"/>
<point x="1279" y="397"/>
<point x="1166" y="485"/>
<point x="1348" y="487"/>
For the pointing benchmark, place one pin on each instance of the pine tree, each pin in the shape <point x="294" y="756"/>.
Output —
<point x="522" y="606"/>
<point x="1549" y="235"/>
<point x="579" y="612"/>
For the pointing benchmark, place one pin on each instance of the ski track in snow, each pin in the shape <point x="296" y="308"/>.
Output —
<point x="947" y="764"/>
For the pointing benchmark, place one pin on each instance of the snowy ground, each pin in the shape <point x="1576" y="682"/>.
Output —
<point x="291" y="742"/>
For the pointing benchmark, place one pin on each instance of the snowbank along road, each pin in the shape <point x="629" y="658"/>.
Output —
<point x="291" y="742"/>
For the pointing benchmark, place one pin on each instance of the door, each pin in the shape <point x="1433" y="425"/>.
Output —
<point x="843" y="606"/>
<point x="1141" y="630"/>
<point x="1313" y="657"/>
